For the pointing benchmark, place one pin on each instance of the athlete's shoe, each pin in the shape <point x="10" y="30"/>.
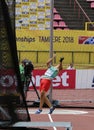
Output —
<point x="51" y="110"/>
<point x="38" y="111"/>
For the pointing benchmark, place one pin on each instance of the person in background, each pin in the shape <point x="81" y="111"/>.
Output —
<point x="22" y="72"/>
<point x="45" y="84"/>
<point x="22" y="75"/>
<point x="26" y="67"/>
<point x="71" y="66"/>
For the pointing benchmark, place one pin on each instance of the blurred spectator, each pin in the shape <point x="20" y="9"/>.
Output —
<point x="71" y="66"/>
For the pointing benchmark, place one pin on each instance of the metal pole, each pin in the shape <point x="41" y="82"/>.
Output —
<point x="51" y="40"/>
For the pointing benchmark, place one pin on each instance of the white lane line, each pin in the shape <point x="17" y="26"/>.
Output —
<point x="50" y="118"/>
<point x="57" y="111"/>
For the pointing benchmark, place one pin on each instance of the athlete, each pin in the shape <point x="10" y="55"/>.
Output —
<point x="45" y="84"/>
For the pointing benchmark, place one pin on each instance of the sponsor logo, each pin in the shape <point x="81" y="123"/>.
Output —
<point x="8" y="79"/>
<point x="86" y="40"/>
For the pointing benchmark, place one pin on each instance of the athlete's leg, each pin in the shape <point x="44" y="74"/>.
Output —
<point x="42" y="98"/>
<point x="44" y="87"/>
<point x="47" y="102"/>
<point x="52" y="108"/>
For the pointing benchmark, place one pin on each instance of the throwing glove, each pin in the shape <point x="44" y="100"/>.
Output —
<point x="61" y="59"/>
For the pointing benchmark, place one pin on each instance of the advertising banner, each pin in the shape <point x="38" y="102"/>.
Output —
<point x="65" y="80"/>
<point x="71" y="40"/>
<point x="84" y="79"/>
<point x="32" y="14"/>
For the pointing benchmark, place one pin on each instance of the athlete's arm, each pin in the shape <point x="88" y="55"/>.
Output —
<point x="59" y="66"/>
<point x="50" y="60"/>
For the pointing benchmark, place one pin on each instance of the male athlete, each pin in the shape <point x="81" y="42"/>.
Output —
<point x="45" y="84"/>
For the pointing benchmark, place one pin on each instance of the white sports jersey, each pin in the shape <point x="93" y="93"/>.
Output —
<point x="51" y="73"/>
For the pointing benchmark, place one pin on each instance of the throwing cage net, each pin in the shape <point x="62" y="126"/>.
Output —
<point x="11" y="91"/>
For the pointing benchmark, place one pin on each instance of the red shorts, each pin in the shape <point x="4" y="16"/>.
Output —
<point x="45" y="84"/>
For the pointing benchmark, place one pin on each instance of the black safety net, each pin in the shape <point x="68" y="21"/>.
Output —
<point x="11" y="89"/>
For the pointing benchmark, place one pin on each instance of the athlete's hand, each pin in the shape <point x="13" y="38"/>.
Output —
<point x="61" y="59"/>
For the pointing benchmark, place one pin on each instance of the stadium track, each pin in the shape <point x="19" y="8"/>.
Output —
<point x="81" y="119"/>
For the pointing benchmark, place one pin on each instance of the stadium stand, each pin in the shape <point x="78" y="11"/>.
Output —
<point x="62" y="24"/>
<point x="58" y="28"/>
<point x="92" y="5"/>
<point x="76" y="14"/>
<point x="86" y="7"/>
<point x="89" y="0"/>
<point x="66" y="28"/>
<point x="58" y="22"/>
<point x="57" y="17"/>
<point x="54" y="10"/>
<point x="55" y="24"/>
